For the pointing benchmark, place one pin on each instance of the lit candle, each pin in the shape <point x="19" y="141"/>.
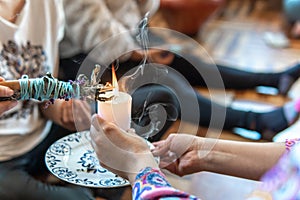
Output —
<point x="118" y="108"/>
<point x="115" y="82"/>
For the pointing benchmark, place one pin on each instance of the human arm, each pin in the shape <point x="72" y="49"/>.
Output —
<point x="129" y="156"/>
<point x="194" y="154"/>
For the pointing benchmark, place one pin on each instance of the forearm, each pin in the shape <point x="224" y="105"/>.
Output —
<point x="243" y="159"/>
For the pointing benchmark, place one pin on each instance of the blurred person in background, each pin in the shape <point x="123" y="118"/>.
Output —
<point x="102" y="20"/>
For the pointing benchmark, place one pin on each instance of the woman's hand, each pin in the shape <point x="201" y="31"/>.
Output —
<point x="6" y="92"/>
<point x="123" y="153"/>
<point x="74" y="115"/>
<point x="184" y="154"/>
<point x="180" y="153"/>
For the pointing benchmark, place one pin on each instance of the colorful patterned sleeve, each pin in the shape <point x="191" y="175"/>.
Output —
<point x="152" y="184"/>
<point x="283" y="180"/>
<point x="290" y="143"/>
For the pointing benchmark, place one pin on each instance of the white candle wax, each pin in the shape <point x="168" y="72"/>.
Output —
<point x="117" y="110"/>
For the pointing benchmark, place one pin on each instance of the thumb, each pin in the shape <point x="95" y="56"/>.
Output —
<point x="96" y="127"/>
<point x="97" y="122"/>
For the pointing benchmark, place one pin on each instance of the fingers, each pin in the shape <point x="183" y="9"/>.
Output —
<point x="163" y="147"/>
<point x="181" y="143"/>
<point x="99" y="124"/>
<point x="66" y="116"/>
<point x="75" y="112"/>
<point x="96" y="128"/>
<point x="118" y="149"/>
<point x="111" y="128"/>
<point x="82" y="113"/>
<point x="172" y="167"/>
<point x="100" y="129"/>
<point x="176" y="143"/>
<point x="5" y="91"/>
<point x="160" y="148"/>
<point x="96" y="134"/>
<point x="7" y="105"/>
<point x="173" y="149"/>
<point x="108" y="151"/>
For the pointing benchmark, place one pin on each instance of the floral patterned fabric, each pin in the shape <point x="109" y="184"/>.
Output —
<point x="289" y="143"/>
<point x="152" y="184"/>
<point x="283" y="180"/>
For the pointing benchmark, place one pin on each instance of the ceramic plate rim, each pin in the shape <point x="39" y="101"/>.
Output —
<point x="50" y="163"/>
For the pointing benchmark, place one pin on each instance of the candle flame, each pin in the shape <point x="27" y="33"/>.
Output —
<point x="114" y="81"/>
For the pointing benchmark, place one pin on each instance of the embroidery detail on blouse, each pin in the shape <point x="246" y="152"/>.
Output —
<point x="16" y="60"/>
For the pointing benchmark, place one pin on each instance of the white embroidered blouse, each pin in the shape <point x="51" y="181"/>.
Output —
<point x="28" y="46"/>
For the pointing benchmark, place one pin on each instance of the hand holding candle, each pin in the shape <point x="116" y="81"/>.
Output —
<point x="116" y="109"/>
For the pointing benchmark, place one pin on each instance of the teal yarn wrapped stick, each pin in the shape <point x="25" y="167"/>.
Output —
<point x="47" y="88"/>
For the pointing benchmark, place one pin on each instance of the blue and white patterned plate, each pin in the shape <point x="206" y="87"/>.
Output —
<point x="73" y="159"/>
